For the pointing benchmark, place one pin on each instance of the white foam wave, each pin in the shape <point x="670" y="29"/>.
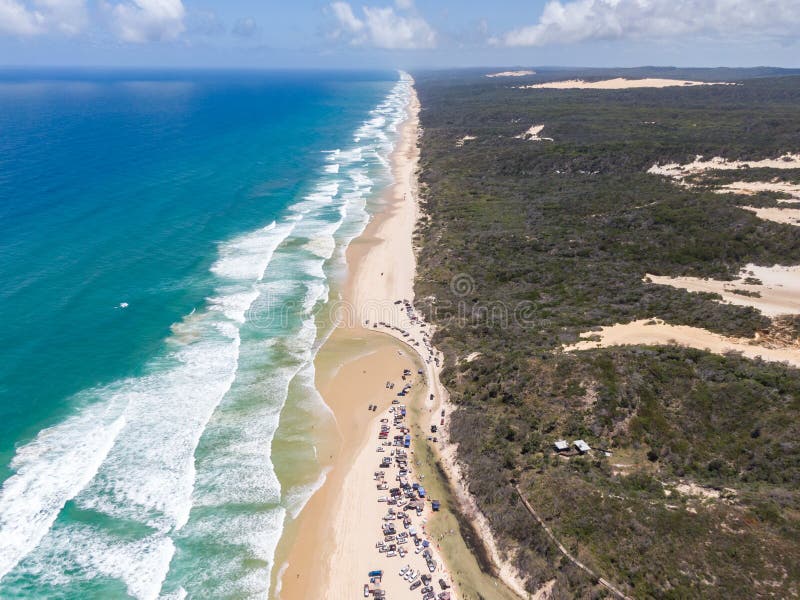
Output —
<point x="148" y="475"/>
<point x="298" y="497"/>
<point x="246" y="257"/>
<point x="80" y="552"/>
<point x="322" y="246"/>
<point x="223" y="574"/>
<point x="49" y="471"/>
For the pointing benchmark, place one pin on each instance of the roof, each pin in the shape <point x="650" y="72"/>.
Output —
<point x="581" y="445"/>
<point x="561" y="445"/>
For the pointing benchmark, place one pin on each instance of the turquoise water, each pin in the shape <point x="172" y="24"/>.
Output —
<point x="165" y="239"/>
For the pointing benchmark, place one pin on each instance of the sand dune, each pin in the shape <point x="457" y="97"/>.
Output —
<point x="679" y="172"/>
<point x="511" y="74"/>
<point x="619" y="83"/>
<point x="655" y="332"/>
<point x="778" y="291"/>
<point x="532" y="134"/>
<point x="749" y="188"/>
<point x="787" y="216"/>
<point x="467" y="138"/>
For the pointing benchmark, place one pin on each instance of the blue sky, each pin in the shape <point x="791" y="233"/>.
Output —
<point x="399" y="33"/>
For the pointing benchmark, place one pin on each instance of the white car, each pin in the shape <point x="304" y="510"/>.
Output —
<point x="404" y="570"/>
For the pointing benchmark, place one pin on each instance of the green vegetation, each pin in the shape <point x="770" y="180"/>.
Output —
<point x="552" y="239"/>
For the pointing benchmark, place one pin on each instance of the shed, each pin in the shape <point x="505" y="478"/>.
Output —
<point x="561" y="446"/>
<point x="582" y="446"/>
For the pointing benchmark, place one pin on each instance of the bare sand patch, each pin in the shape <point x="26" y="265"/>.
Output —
<point x="467" y="138"/>
<point x="787" y="216"/>
<point x="698" y="491"/>
<point x="655" y="332"/>
<point x="620" y="83"/>
<point x="774" y="291"/>
<point x="749" y="188"/>
<point x="511" y="74"/>
<point x="679" y="172"/>
<point x="532" y="134"/>
<point x="472" y="356"/>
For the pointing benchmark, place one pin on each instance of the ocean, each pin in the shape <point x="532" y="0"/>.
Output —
<point x="167" y="240"/>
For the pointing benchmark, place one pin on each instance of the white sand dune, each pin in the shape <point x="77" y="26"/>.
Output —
<point x="778" y="290"/>
<point x="532" y="134"/>
<point x="655" y="332"/>
<point x="679" y="172"/>
<point x="619" y="83"/>
<point x="511" y="74"/>
<point x="749" y="188"/>
<point x="787" y="216"/>
<point x="467" y="138"/>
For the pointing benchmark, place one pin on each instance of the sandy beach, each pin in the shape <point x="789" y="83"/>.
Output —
<point x="335" y="547"/>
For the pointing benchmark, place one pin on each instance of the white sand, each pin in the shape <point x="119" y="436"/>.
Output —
<point x="460" y="143"/>
<point x="382" y="267"/>
<point x="679" y="172"/>
<point x="779" y="289"/>
<point x="786" y="216"/>
<point x="749" y="188"/>
<point x="647" y="333"/>
<point x="384" y="272"/>
<point x="511" y="74"/>
<point x="618" y="84"/>
<point x="789" y="216"/>
<point x="532" y="134"/>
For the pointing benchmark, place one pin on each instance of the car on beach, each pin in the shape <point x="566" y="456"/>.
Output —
<point x="415" y="585"/>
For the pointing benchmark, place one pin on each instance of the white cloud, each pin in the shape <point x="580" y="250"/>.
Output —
<point x="382" y="27"/>
<point x="142" y="21"/>
<point x="16" y="19"/>
<point x="581" y="20"/>
<point x="344" y="14"/>
<point x="42" y="16"/>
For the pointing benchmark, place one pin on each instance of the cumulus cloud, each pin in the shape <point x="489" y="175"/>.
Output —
<point x="383" y="27"/>
<point x="581" y="20"/>
<point x="142" y="21"/>
<point x="42" y="16"/>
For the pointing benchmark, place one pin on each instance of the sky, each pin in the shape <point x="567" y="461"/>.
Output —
<point x="399" y="33"/>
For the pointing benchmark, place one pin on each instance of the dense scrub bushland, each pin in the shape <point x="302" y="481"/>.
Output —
<point x="525" y="245"/>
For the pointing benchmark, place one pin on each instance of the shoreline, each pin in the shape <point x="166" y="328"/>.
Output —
<point x="353" y="350"/>
<point x="329" y="551"/>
